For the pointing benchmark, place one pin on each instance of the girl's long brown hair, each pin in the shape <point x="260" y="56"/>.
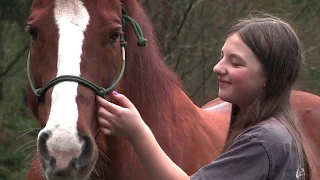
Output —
<point x="279" y="50"/>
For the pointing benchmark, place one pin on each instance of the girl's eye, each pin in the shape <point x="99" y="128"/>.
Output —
<point x="236" y="64"/>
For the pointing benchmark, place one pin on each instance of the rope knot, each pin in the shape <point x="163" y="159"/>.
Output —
<point x="123" y="43"/>
<point x="102" y="92"/>
<point x="38" y="93"/>
<point x="142" y="42"/>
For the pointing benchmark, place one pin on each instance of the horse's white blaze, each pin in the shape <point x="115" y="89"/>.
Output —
<point x="72" y="19"/>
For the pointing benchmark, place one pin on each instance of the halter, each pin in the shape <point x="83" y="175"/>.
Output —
<point x="40" y="92"/>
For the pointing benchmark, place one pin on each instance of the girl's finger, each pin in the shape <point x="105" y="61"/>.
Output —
<point x="104" y="123"/>
<point x="123" y="100"/>
<point x="113" y="108"/>
<point x="105" y="131"/>
<point x="105" y="114"/>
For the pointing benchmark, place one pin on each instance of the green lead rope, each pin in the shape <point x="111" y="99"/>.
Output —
<point x="141" y="40"/>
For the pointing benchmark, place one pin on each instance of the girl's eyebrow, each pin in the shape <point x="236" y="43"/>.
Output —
<point x="233" y="55"/>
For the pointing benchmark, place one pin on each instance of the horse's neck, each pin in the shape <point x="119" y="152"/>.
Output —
<point x="167" y="109"/>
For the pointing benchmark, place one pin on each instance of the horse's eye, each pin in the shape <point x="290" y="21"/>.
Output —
<point x="113" y="38"/>
<point x="33" y="33"/>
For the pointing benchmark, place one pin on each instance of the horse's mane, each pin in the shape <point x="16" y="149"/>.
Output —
<point x="148" y="80"/>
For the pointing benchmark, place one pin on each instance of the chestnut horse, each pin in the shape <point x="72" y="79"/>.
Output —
<point x="78" y="47"/>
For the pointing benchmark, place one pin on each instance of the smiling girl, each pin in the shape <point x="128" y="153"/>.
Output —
<point x="260" y="61"/>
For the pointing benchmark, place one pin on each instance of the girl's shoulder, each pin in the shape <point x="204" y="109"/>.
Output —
<point x="270" y="132"/>
<point x="279" y="146"/>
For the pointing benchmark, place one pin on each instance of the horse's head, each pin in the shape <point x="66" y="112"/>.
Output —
<point x="75" y="50"/>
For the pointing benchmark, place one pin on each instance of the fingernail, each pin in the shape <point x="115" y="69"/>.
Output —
<point x="115" y="93"/>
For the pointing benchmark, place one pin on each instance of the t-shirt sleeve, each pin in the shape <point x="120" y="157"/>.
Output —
<point x="246" y="159"/>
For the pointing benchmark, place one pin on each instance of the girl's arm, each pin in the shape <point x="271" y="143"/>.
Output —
<point x="154" y="159"/>
<point x="125" y="121"/>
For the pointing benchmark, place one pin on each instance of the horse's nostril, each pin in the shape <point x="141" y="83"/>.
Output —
<point x="52" y="161"/>
<point x="88" y="146"/>
<point x="42" y="144"/>
<point x="87" y="152"/>
<point x="72" y="163"/>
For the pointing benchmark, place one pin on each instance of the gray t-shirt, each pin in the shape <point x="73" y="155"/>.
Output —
<point x="264" y="151"/>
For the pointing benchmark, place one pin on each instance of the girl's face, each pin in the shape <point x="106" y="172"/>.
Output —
<point x="240" y="73"/>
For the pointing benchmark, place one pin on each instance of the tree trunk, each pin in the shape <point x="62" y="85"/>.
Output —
<point x="2" y="54"/>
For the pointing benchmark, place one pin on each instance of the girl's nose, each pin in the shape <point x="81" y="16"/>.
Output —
<point x="219" y="68"/>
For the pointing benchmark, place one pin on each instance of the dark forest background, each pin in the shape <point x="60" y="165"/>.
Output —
<point x="190" y="34"/>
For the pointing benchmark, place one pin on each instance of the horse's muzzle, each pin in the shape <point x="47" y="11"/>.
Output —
<point x="65" y="163"/>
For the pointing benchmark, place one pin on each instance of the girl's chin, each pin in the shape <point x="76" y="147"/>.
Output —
<point x="225" y="97"/>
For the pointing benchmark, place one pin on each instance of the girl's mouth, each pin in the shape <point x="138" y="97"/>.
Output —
<point x="224" y="82"/>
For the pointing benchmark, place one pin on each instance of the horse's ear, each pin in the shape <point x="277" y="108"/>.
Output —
<point x="32" y="100"/>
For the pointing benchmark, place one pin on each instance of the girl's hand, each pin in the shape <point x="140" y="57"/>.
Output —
<point x="124" y="120"/>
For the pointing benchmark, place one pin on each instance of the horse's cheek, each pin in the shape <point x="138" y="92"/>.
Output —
<point x="32" y="102"/>
<point x="35" y="170"/>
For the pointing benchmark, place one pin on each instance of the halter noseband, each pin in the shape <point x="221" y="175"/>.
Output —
<point x="40" y="92"/>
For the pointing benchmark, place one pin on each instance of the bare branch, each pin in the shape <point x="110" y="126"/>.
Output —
<point x="302" y="11"/>
<point x="185" y="73"/>
<point x="178" y="61"/>
<point x="201" y="85"/>
<point x="197" y="3"/>
<point x="312" y="48"/>
<point x="185" y="17"/>
<point x="205" y="46"/>
<point x="14" y="62"/>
